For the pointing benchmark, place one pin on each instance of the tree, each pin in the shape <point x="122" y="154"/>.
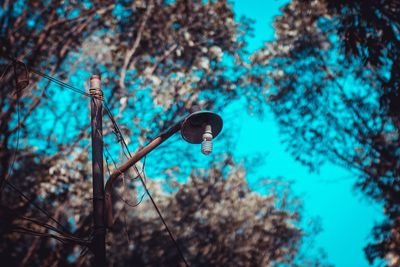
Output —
<point x="221" y="223"/>
<point x="334" y="85"/>
<point x="157" y="60"/>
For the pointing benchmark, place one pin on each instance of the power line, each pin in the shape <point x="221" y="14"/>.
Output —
<point x="5" y="71"/>
<point x="64" y="233"/>
<point x="126" y="202"/>
<point x="108" y="155"/>
<point x="120" y="137"/>
<point x="17" y="139"/>
<point x="6" y="182"/>
<point x="50" y="78"/>
<point x="145" y="187"/>
<point x="122" y="199"/>
<point x="30" y="201"/>
<point x="60" y="83"/>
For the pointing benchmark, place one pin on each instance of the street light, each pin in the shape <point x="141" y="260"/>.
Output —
<point x="201" y="127"/>
<point x="198" y="127"/>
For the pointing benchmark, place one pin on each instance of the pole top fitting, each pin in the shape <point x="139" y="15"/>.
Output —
<point x="95" y="87"/>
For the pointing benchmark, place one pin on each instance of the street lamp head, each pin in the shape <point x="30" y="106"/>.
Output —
<point x="198" y="127"/>
<point x="201" y="127"/>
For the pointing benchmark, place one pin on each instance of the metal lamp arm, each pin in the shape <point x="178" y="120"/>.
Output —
<point x="132" y="161"/>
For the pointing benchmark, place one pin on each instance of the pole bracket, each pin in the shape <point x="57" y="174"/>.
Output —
<point x="95" y="87"/>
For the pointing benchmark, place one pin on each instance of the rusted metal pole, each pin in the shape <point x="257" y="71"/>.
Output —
<point x="135" y="158"/>
<point x="98" y="245"/>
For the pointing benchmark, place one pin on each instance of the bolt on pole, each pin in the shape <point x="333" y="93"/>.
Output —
<point x="98" y="245"/>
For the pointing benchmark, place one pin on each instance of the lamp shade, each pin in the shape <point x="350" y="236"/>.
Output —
<point x="193" y="126"/>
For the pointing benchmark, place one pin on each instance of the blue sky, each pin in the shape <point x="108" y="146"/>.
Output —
<point x="346" y="216"/>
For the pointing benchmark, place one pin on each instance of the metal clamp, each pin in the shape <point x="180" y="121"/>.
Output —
<point x="95" y="87"/>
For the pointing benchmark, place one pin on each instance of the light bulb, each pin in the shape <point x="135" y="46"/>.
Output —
<point x="206" y="145"/>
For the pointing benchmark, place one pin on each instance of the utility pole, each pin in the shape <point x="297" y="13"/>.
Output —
<point x="98" y="244"/>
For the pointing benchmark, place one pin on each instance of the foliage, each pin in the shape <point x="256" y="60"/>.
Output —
<point x="221" y="223"/>
<point x="333" y="86"/>
<point x="157" y="60"/>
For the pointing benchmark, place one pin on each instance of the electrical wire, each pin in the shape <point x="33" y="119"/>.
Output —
<point x="12" y="186"/>
<point x="5" y="70"/>
<point x="65" y="85"/>
<point x="120" y="137"/>
<point x="130" y="204"/>
<point x="54" y="229"/>
<point x="27" y="231"/>
<point x="48" y="77"/>
<point x="16" y="146"/>
<point x="63" y="235"/>
<point x="142" y="171"/>
<point x="60" y="238"/>
<point x="146" y="189"/>
<point x="30" y="201"/>
<point x="6" y="182"/>
<point x="60" y="83"/>
<point x="108" y="155"/>
<point x="163" y="220"/>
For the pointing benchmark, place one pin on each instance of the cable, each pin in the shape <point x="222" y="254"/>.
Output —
<point x="145" y="187"/>
<point x="132" y="205"/>
<point x="142" y="172"/>
<point x="36" y="206"/>
<point x="5" y="70"/>
<point x="52" y="228"/>
<point x="51" y="79"/>
<point x="163" y="221"/>
<point x="108" y="155"/>
<point x="12" y="166"/>
<point x="25" y="231"/>
<point x="120" y="137"/>
<point x="64" y="234"/>
<point x="117" y="131"/>
<point x="60" y="238"/>
<point x="60" y="83"/>
<point x="16" y="146"/>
